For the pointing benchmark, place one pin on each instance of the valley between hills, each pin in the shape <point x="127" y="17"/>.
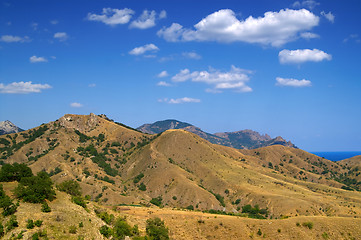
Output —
<point x="201" y="190"/>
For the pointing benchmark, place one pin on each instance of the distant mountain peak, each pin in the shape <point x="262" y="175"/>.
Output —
<point x="244" y="139"/>
<point x="7" y="127"/>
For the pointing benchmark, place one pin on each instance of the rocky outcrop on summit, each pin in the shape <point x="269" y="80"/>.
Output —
<point x="245" y="139"/>
<point x="7" y="127"/>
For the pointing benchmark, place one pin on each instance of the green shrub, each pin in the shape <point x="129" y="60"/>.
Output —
<point x="325" y="235"/>
<point x="259" y="232"/>
<point x="157" y="201"/>
<point x="190" y="207"/>
<point x="308" y="224"/>
<point x="156" y="229"/>
<point x="142" y="187"/>
<point x="121" y="229"/>
<point x="106" y="217"/>
<point x="106" y="231"/>
<point x="70" y="187"/>
<point x="79" y="200"/>
<point x="45" y="207"/>
<point x="30" y="224"/>
<point x="1" y="230"/>
<point x="81" y="224"/>
<point x="38" y="223"/>
<point x="6" y="203"/>
<point x="138" y="178"/>
<point x="12" y="223"/>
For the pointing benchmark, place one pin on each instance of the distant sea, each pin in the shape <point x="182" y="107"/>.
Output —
<point x="336" y="156"/>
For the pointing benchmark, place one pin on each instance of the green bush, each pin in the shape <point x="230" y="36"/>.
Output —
<point x="12" y="223"/>
<point x="259" y="232"/>
<point x="106" y="217"/>
<point x="1" y="230"/>
<point x="35" y="189"/>
<point x="142" y="187"/>
<point x="70" y="187"/>
<point x="106" y="231"/>
<point x="45" y="207"/>
<point x="79" y="200"/>
<point x="157" y="201"/>
<point x="38" y="223"/>
<point x="138" y="178"/>
<point x="309" y="225"/>
<point x="190" y="207"/>
<point x="121" y="229"/>
<point x="6" y="203"/>
<point x="14" y="172"/>
<point x="30" y="224"/>
<point x="156" y="229"/>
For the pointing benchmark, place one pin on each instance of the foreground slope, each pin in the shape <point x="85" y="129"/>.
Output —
<point x="115" y="164"/>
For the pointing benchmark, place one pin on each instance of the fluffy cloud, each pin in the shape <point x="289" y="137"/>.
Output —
<point x="303" y="55"/>
<point x="61" y="36"/>
<point x="291" y="82"/>
<point x="162" y="14"/>
<point x="275" y="28"/>
<point x="146" y="20"/>
<point x="310" y="4"/>
<point x="23" y="87"/>
<point x="35" y="59"/>
<point x="180" y="100"/>
<point x="54" y="22"/>
<point x="329" y="16"/>
<point x="163" y="84"/>
<point x="191" y="55"/>
<point x="11" y="39"/>
<point x="163" y="74"/>
<point x="111" y="16"/>
<point x="235" y="79"/>
<point x="76" y="105"/>
<point x="141" y="50"/>
<point x="309" y="35"/>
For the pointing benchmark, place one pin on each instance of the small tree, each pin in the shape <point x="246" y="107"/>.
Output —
<point x="70" y="187"/>
<point x="156" y="229"/>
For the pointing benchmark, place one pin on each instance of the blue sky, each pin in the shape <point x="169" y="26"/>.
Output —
<point x="288" y="68"/>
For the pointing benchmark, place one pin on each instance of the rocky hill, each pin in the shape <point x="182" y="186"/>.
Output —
<point x="245" y="139"/>
<point x="7" y="127"/>
<point x="116" y="165"/>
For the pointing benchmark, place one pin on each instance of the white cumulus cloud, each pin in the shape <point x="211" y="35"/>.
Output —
<point x="163" y="74"/>
<point x="291" y="82"/>
<point x="112" y="16"/>
<point x="11" y="39"/>
<point x="235" y="79"/>
<point x="61" y="36"/>
<point x="22" y="87"/>
<point x="180" y="100"/>
<point x="35" y="59"/>
<point x="329" y="16"/>
<point x="274" y="28"/>
<point x="303" y="55"/>
<point x="143" y="49"/>
<point x="76" y="105"/>
<point x="147" y="19"/>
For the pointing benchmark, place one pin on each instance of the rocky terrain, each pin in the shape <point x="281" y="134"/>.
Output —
<point x="7" y="127"/>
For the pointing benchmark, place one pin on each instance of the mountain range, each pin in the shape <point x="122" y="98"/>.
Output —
<point x="7" y="127"/>
<point x="116" y="165"/>
<point x="245" y="139"/>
